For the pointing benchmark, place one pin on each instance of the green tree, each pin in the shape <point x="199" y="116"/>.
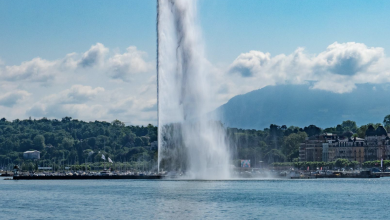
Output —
<point x="342" y="162"/>
<point x="291" y="145"/>
<point x="312" y="130"/>
<point x="67" y="143"/>
<point x="386" y="122"/>
<point x="7" y="146"/>
<point x="138" y="142"/>
<point x="264" y="148"/>
<point x="117" y="123"/>
<point x="361" y="131"/>
<point x="39" y="142"/>
<point x="349" y="126"/>
<point x="339" y="129"/>
<point x="129" y="139"/>
<point x="66" y="119"/>
<point x="354" y="164"/>
<point x="275" y="155"/>
<point x="91" y="141"/>
<point x="25" y="145"/>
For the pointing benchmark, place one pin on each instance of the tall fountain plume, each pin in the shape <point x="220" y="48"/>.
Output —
<point x="188" y="140"/>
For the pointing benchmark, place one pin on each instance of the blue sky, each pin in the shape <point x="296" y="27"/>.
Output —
<point x="282" y="26"/>
<point x="49" y="30"/>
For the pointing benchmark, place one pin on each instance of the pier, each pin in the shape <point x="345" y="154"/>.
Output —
<point x="86" y="177"/>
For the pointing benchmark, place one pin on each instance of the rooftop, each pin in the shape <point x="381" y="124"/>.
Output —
<point x="34" y="151"/>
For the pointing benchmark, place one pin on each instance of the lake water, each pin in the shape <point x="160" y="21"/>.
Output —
<point x="163" y="199"/>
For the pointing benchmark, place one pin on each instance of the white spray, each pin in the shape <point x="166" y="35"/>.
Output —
<point x="188" y="140"/>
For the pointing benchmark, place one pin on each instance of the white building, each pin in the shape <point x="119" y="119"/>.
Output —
<point x="32" y="155"/>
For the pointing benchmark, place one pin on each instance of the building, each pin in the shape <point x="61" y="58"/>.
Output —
<point x="32" y="155"/>
<point x="330" y="147"/>
<point x="378" y="144"/>
<point x="350" y="148"/>
<point x="317" y="148"/>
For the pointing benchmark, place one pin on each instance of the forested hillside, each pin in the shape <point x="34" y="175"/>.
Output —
<point x="70" y="141"/>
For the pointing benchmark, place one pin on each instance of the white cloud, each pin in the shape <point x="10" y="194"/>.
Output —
<point x="47" y="72"/>
<point x="77" y="80"/>
<point x="337" y="69"/>
<point x="36" y="70"/>
<point x="121" y="66"/>
<point x="151" y="108"/>
<point x="75" y="101"/>
<point x="248" y="64"/>
<point x="335" y="83"/>
<point x="76" y="94"/>
<point x="94" y="56"/>
<point x="88" y="103"/>
<point x="73" y="86"/>
<point x="347" y="58"/>
<point x="9" y="99"/>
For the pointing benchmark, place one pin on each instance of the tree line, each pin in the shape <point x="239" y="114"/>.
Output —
<point x="72" y="141"/>
<point x="339" y="163"/>
<point x="76" y="142"/>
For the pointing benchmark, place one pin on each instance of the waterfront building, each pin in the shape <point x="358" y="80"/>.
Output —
<point x="32" y="155"/>
<point x="325" y="152"/>
<point x="351" y="149"/>
<point x="330" y="147"/>
<point x="378" y="144"/>
<point x="318" y="148"/>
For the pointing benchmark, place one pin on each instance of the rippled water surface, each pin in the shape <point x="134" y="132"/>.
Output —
<point x="162" y="199"/>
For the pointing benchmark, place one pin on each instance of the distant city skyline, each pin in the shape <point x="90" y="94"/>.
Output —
<point x="95" y="60"/>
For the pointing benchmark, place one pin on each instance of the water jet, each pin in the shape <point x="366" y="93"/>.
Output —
<point x="189" y="141"/>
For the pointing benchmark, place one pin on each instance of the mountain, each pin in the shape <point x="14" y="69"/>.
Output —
<point x="301" y="106"/>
